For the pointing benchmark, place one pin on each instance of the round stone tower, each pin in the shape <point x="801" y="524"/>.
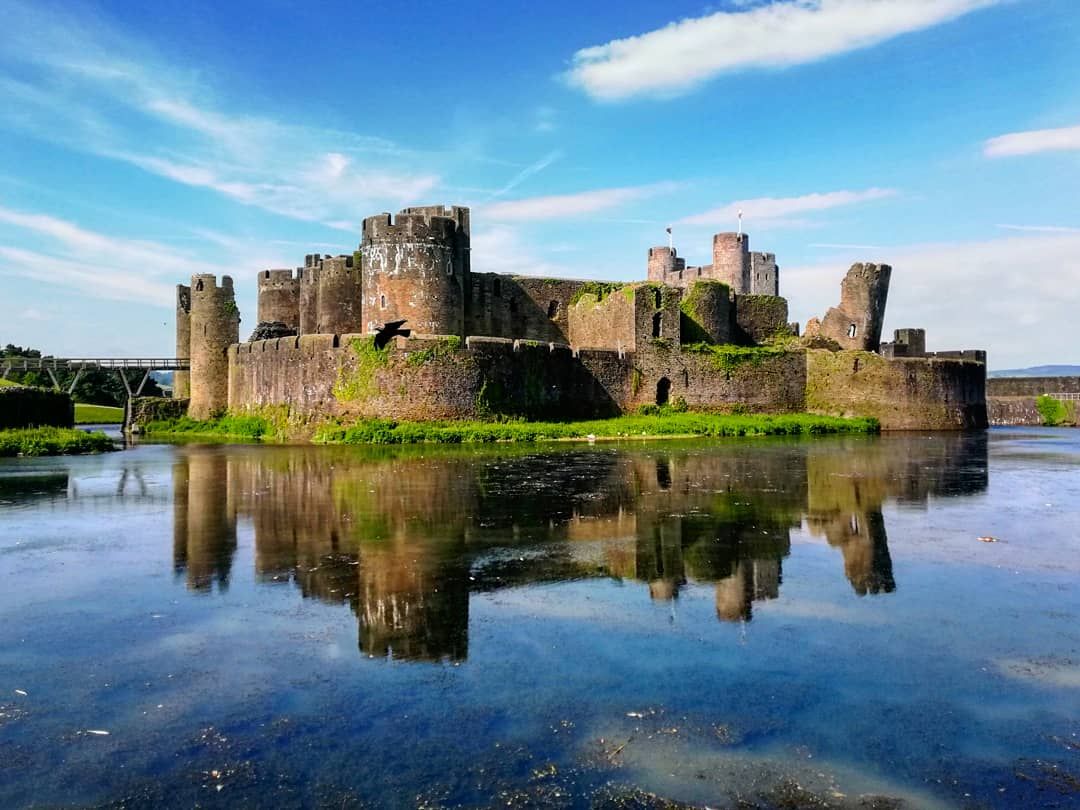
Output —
<point x="662" y="262"/>
<point x="339" y="296"/>
<point x="182" y="379"/>
<point x="731" y="261"/>
<point x="279" y="297"/>
<point x="416" y="269"/>
<point x="309" y="294"/>
<point x="215" y="325"/>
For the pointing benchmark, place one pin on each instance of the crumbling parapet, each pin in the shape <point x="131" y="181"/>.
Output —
<point x="215" y="325"/>
<point x="182" y="379"/>
<point x="856" y="323"/>
<point x="764" y="274"/>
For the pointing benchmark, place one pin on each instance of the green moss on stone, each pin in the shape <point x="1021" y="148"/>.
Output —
<point x="598" y="290"/>
<point x="444" y="347"/>
<point x="360" y="382"/>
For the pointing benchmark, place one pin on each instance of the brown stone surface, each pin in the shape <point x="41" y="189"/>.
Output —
<point x="760" y="318"/>
<point x="1009" y="410"/>
<point x="731" y="261"/>
<point x="527" y="307"/>
<point x="182" y="379"/>
<point x="1031" y="386"/>
<point x="215" y="326"/>
<point x="903" y="394"/>
<point x="279" y="297"/>
<point x="856" y="323"/>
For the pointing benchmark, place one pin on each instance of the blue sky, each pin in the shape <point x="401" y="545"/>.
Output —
<point x="140" y="144"/>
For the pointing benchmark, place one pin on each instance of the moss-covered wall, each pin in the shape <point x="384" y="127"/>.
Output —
<point x="706" y="313"/>
<point x="759" y="318"/>
<point x="902" y="393"/>
<point x="23" y="406"/>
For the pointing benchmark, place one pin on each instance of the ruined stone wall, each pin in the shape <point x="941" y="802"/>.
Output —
<point x="182" y="379"/>
<point x="413" y="270"/>
<point x="604" y="320"/>
<point x="731" y="261"/>
<point x="339" y="296"/>
<point x="903" y="394"/>
<point x="764" y="274"/>
<point x="759" y="318"/>
<point x="856" y="323"/>
<point x="279" y="297"/>
<point x="215" y="325"/>
<point x="435" y="378"/>
<point x="525" y="307"/>
<point x="706" y="313"/>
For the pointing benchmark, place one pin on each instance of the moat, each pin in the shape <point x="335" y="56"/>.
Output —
<point x="790" y="623"/>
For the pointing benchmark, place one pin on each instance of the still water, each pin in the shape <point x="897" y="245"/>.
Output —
<point x="776" y="623"/>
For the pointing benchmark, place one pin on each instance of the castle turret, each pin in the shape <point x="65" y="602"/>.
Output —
<point x="662" y="262"/>
<point x="279" y="297"/>
<point x="339" y="306"/>
<point x="416" y="268"/>
<point x="215" y="325"/>
<point x="309" y="294"/>
<point x="764" y="274"/>
<point x="731" y="261"/>
<point x="182" y="379"/>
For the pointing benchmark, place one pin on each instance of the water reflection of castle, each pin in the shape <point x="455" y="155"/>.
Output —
<point x="404" y="539"/>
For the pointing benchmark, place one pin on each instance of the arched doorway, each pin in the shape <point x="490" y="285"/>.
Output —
<point x="663" y="391"/>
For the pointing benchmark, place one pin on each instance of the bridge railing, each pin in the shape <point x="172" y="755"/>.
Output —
<point x="66" y="363"/>
<point x="1065" y="396"/>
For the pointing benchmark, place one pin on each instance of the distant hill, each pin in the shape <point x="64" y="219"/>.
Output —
<point x="1037" y="371"/>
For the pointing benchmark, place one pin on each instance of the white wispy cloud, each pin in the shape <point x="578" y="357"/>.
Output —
<point x="562" y="206"/>
<point x="1033" y="141"/>
<point x="1040" y="228"/>
<point x="683" y="54"/>
<point x="105" y="94"/>
<point x="778" y="210"/>
<point x="968" y="295"/>
<point x="527" y="172"/>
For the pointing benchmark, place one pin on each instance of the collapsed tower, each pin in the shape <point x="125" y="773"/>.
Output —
<point x="182" y="379"/>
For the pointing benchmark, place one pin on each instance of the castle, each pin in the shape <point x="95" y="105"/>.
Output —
<point x="487" y="344"/>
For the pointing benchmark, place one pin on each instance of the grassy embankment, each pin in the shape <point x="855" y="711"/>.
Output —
<point x="97" y="414"/>
<point x="50" y="441"/>
<point x="656" y="425"/>
<point x="1055" y="412"/>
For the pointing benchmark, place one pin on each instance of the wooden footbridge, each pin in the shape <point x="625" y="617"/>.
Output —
<point x="75" y="366"/>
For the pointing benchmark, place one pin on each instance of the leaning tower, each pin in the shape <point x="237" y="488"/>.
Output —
<point x="215" y="325"/>
<point x="182" y="379"/>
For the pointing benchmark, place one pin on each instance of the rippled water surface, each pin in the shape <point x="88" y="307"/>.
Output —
<point x="732" y="624"/>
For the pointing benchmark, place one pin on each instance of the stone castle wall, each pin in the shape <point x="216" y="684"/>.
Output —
<point x="903" y="394"/>
<point x="215" y="326"/>
<point x="182" y="379"/>
<point x="1031" y="386"/>
<point x="279" y="297"/>
<point x="524" y="307"/>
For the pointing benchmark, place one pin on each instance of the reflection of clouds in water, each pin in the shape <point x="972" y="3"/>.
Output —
<point x="1057" y="672"/>
<point x="827" y="611"/>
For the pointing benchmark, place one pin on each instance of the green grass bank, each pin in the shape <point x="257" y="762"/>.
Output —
<point x="650" y="426"/>
<point x="48" y="441"/>
<point x="97" y="414"/>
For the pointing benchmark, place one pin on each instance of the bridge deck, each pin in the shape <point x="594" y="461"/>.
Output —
<point x="70" y="363"/>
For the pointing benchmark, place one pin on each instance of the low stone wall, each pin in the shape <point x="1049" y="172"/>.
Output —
<point x="902" y="393"/>
<point x="24" y="406"/>
<point x="1031" y="386"/>
<point x="1013" y="411"/>
<point x="141" y="410"/>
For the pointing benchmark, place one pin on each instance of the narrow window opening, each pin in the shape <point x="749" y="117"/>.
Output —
<point x="382" y="301"/>
<point x="553" y="310"/>
<point x="657" y="325"/>
<point x="856" y="366"/>
<point x="685" y="378"/>
<point x="513" y="307"/>
<point x="852" y="331"/>
<point x="496" y="288"/>
<point x="198" y="285"/>
<point x="663" y="391"/>
<point x="658" y="299"/>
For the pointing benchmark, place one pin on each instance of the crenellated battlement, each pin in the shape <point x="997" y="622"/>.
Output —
<point x="418" y="227"/>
